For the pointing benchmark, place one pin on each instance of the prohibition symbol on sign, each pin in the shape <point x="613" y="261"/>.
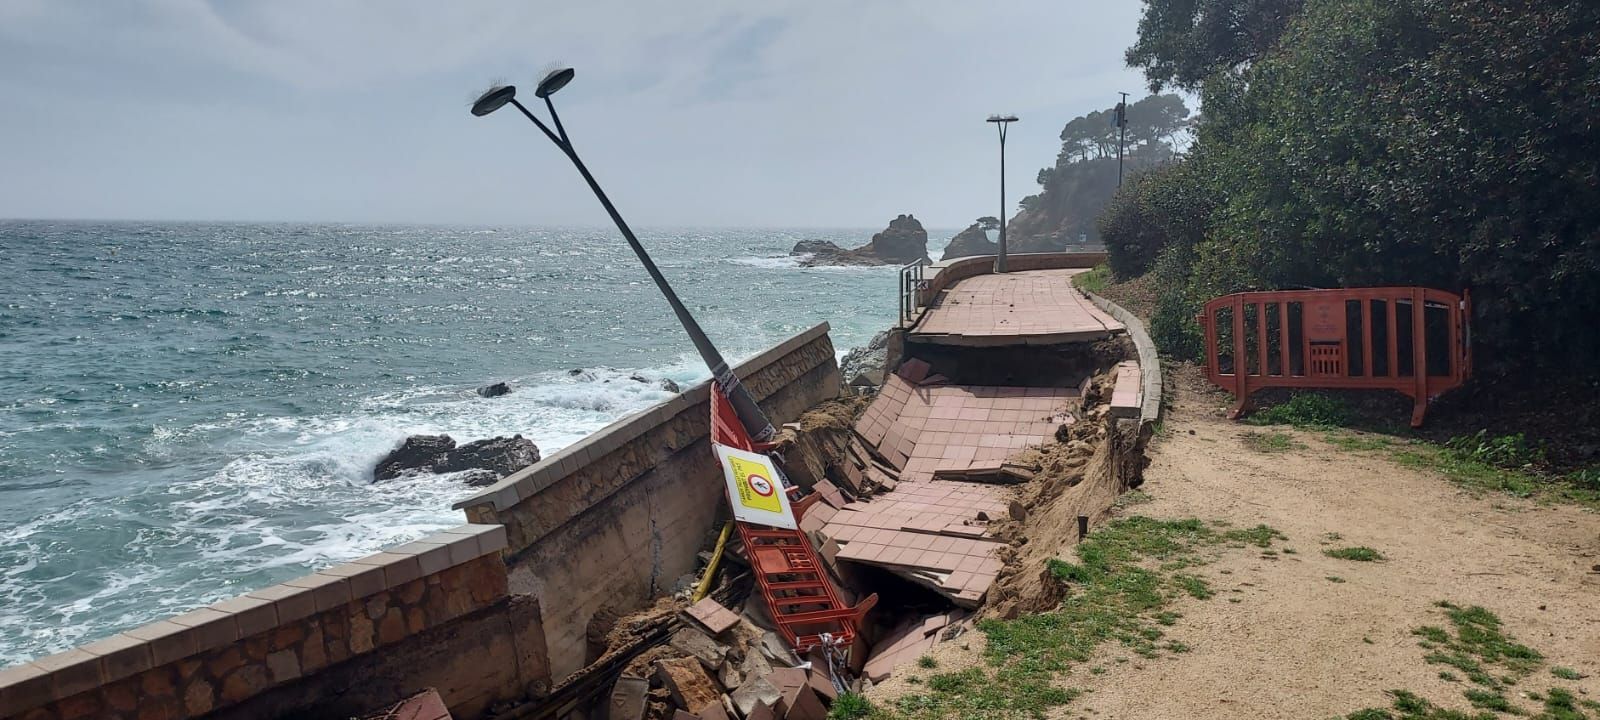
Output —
<point x="753" y="488"/>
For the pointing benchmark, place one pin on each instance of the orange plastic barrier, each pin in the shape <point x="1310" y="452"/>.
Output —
<point x="800" y="597"/>
<point x="1412" y="340"/>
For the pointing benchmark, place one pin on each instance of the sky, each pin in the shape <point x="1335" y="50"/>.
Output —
<point x="703" y="113"/>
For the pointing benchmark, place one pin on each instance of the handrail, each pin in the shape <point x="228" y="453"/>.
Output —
<point x="913" y="283"/>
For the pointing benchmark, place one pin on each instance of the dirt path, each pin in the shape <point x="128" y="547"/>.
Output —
<point x="1299" y="645"/>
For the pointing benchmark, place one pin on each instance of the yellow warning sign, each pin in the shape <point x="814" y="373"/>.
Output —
<point x="757" y="489"/>
<point x="754" y="488"/>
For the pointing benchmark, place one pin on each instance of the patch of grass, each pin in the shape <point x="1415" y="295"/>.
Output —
<point x="1566" y="673"/>
<point x="1359" y="553"/>
<point x="1312" y="410"/>
<point x="1121" y="584"/>
<point x="1408" y="705"/>
<point x="927" y="662"/>
<point x="1489" y="700"/>
<point x="1448" y="676"/>
<point x="1466" y="467"/>
<point x="1352" y="442"/>
<point x="1270" y="442"/>
<point x="1130" y="499"/>
<point x="1094" y="280"/>
<point x="851" y="706"/>
<point x="1335" y="579"/>
<point x="1260" y="536"/>
<point x="1559" y="704"/>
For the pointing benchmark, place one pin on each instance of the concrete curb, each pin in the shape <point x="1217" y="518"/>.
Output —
<point x="1149" y="361"/>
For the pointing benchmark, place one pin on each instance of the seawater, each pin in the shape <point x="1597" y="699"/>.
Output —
<point x="191" y="411"/>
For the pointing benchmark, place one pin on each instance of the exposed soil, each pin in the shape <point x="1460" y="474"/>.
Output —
<point x="1299" y="645"/>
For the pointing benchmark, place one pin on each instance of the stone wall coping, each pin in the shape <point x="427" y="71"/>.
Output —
<point x="64" y="674"/>
<point x="529" y="481"/>
<point x="1149" y="359"/>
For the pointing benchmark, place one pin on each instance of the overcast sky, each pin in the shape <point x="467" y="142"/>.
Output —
<point x="815" y="113"/>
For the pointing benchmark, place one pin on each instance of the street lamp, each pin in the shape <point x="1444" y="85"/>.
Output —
<point x="755" y="422"/>
<point x="1121" y="120"/>
<point x="1000" y="122"/>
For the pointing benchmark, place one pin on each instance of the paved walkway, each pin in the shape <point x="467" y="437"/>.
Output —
<point x="1036" y="307"/>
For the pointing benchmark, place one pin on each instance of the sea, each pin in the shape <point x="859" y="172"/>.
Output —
<point x="189" y="411"/>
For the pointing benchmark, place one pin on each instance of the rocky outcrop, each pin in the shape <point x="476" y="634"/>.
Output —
<point x="867" y="361"/>
<point x="971" y="241"/>
<point x="903" y="241"/>
<point x="497" y="457"/>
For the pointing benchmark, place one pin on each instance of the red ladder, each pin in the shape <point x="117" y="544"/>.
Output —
<point x="800" y="597"/>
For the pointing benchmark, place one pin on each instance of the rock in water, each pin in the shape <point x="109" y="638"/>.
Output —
<point x="668" y="385"/>
<point x="417" y="454"/>
<point x="495" y="390"/>
<point x="971" y="241"/>
<point x="904" y="241"/>
<point x="503" y="455"/>
<point x="491" y="459"/>
<point x="814" y="247"/>
<point x="479" y="478"/>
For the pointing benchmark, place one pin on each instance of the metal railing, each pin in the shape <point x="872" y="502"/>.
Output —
<point x="912" y="284"/>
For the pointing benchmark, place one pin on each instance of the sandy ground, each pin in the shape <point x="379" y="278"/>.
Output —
<point x="1296" y="645"/>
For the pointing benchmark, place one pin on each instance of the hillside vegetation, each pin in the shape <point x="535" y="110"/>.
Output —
<point x="1447" y="143"/>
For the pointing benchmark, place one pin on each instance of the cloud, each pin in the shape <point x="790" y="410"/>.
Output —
<point x="697" y="112"/>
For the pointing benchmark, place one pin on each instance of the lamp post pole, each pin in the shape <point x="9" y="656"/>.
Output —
<point x="1122" y="133"/>
<point x="1001" y="121"/>
<point x="754" y="420"/>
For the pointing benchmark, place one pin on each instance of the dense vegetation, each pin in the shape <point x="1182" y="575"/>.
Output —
<point x="1448" y="143"/>
<point x="1075" y="190"/>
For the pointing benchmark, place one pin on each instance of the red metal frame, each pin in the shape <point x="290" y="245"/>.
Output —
<point x="800" y="596"/>
<point x="1326" y="339"/>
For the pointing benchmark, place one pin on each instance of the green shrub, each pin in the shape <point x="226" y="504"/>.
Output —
<point x="1304" y="410"/>
<point x="1505" y="451"/>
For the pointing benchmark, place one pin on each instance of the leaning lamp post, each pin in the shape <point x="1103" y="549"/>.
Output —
<point x="755" y="422"/>
<point x="1000" y="122"/>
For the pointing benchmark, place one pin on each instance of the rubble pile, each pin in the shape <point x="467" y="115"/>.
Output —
<point x="719" y="664"/>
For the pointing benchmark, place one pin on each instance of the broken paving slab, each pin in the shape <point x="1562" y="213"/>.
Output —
<point x="712" y="616"/>
<point x="687" y="681"/>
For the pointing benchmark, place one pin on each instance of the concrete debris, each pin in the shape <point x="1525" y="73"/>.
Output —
<point x="909" y="641"/>
<point x="694" y="643"/>
<point x="801" y="703"/>
<point x="761" y="711"/>
<point x="628" y="698"/>
<point x="756" y="690"/>
<point x="689" y="684"/>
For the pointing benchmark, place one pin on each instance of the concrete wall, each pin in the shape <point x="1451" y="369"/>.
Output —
<point x="606" y="525"/>
<point x="341" y="641"/>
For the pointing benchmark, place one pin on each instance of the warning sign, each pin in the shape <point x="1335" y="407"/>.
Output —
<point x="755" y="489"/>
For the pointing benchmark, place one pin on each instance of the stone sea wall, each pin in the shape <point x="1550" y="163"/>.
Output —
<point x="489" y="614"/>
<point x="331" y="644"/>
<point x="606" y="525"/>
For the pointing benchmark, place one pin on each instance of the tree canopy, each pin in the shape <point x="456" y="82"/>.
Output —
<point x="1448" y="143"/>
<point x="1182" y="42"/>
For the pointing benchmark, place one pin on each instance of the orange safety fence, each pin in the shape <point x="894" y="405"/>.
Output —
<point x="799" y="595"/>
<point x="1412" y="340"/>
